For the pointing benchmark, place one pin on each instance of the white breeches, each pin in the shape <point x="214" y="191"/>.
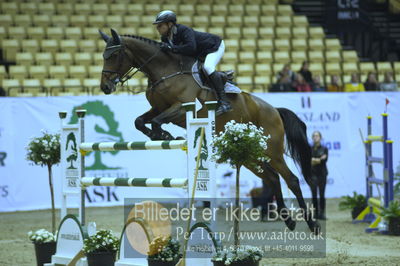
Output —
<point x="213" y="59"/>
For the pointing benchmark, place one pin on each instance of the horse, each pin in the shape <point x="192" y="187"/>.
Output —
<point x="170" y="84"/>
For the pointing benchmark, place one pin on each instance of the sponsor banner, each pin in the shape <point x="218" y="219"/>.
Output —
<point x="338" y="116"/>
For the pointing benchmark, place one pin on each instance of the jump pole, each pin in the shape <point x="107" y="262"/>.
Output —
<point x="75" y="181"/>
<point x="371" y="214"/>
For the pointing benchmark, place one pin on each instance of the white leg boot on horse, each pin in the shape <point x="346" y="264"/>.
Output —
<point x="223" y="102"/>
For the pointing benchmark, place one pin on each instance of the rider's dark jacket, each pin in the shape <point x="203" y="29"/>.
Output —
<point x="189" y="42"/>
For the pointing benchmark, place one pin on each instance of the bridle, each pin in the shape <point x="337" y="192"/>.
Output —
<point x="120" y="48"/>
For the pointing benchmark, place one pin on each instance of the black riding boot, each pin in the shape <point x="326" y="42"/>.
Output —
<point x="223" y="102"/>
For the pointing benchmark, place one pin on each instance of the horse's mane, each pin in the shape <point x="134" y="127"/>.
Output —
<point x="144" y="39"/>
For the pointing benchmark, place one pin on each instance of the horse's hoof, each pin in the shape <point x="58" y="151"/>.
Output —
<point x="180" y="138"/>
<point x="315" y="227"/>
<point x="166" y="136"/>
<point x="290" y="224"/>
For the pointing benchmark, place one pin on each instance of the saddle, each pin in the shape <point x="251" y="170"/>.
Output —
<point x="201" y="77"/>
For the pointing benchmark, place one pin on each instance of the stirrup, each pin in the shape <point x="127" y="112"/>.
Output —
<point x="222" y="109"/>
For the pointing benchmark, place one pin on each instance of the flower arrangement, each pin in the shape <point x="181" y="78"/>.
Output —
<point x="41" y="236"/>
<point x="45" y="151"/>
<point x="102" y="241"/>
<point x="244" y="254"/>
<point x="164" y="248"/>
<point x="241" y="144"/>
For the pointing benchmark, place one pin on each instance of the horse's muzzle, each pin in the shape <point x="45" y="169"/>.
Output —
<point x="108" y="88"/>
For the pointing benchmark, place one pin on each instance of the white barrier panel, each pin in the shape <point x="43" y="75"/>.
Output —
<point x="25" y="187"/>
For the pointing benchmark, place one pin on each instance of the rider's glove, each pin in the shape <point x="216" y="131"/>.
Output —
<point x="166" y="47"/>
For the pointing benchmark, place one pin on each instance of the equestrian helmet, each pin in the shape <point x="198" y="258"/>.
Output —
<point x="165" y="16"/>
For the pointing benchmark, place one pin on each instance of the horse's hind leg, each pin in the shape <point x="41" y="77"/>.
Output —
<point x="294" y="185"/>
<point x="271" y="178"/>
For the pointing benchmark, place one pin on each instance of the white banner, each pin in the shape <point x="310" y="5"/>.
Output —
<point x="111" y="118"/>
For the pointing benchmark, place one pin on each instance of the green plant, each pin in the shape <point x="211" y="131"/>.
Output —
<point x="41" y="236"/>
<point x="45" y="151"/>
<point x="102" y="241"/>
<point x="392" y="211"/>
<point x="351" y="202"/>
<point x="246" y="253"/>
<point x="164" y="248"/>
<point x="396" y="189"/>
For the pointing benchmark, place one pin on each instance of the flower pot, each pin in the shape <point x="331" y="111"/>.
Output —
<point x="356" y="211"/>
<point x="237" y="263"/>
<point x="161" y="263"/>
<point x="44" y="251"/>
<point x="394" y="226"/>
<point x="105" y="258"/>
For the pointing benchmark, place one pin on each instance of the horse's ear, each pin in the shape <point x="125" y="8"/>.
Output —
<point x="117" y="39"/>
<point x="104" y="36"/>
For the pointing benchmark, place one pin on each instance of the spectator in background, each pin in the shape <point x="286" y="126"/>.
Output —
<point x="316" y="85"/>
<point x="285" y="79"/>
<point x="319" y="173"/>
<point x="388" y="83"/>
<point x="306" y="73"/>
<point x="371" y="84"/>
<point x="300" y="84"/>
<point x="354" y="85"/>
<point x="335" y="85"/>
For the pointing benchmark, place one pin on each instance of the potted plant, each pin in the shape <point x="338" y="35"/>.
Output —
<point x="356" y="203"/>
<point x="164" y="251"/>
<point x="101" y="248"/>
<point x="240" y="144"/>
<point x="45" y="245"/>
<point x="45" y="151"/>
<point x="392" y="215"/>
<point x="243" y="256"/>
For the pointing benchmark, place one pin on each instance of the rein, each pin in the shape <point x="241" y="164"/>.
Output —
<point x="127" y="76"/>
<point x="168" y="77"/>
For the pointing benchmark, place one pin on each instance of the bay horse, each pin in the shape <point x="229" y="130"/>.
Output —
<point x="170" y="84"/>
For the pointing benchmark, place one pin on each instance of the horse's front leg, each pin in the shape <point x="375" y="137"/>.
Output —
<point x="174" y="114"/>
<point x="141" y="121"/>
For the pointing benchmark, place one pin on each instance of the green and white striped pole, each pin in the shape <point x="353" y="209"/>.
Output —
<point x="134" y="145"/>
<point x="134" y="182"/>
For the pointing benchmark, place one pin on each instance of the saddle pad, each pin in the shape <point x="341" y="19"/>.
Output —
<point x="229" y="87"/>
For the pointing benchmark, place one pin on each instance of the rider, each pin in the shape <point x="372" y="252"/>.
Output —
<point x="181" y="39"/>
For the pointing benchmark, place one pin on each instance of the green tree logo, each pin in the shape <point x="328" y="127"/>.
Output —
<point x="109" y="132"/>
<point x="204" y="149"/>
<point x="71" y="150"/>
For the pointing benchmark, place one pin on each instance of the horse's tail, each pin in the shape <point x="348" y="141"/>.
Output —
<point x="297" y="143"/>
